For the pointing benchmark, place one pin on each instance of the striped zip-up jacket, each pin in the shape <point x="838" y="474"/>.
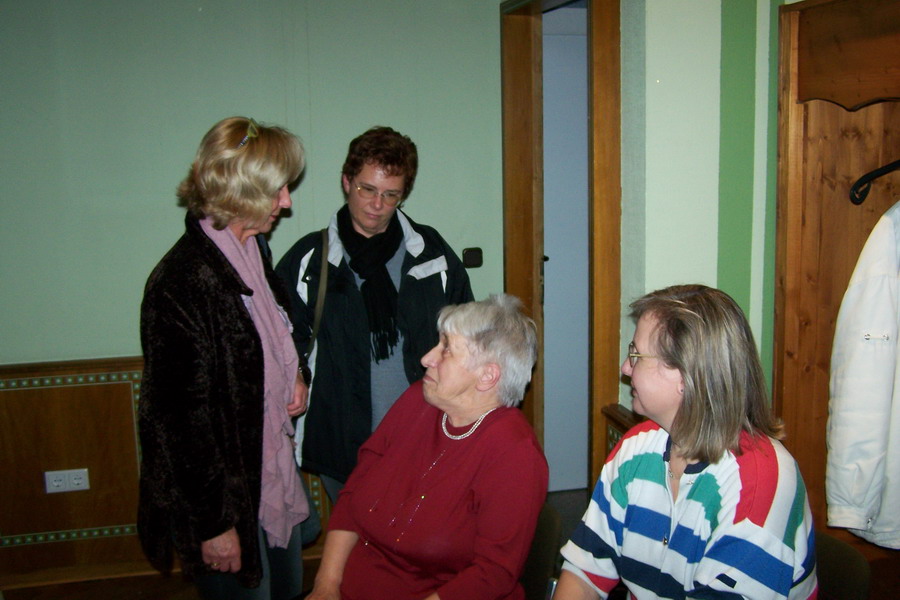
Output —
<point x="740" y="527"/>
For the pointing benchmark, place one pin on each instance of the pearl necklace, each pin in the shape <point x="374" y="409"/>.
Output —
<point x="470" y="431"/>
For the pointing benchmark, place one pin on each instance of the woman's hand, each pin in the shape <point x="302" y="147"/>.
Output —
<point x="298" y="402"/>
<point x="322" y="592"/>
<point x="338" y="544"/>
<point x="223" y="552"/>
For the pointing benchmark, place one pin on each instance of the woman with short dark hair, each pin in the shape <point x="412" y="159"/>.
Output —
<point x="385" y="279"/>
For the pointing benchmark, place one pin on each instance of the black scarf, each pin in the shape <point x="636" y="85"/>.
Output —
<point x="368" y="258"/>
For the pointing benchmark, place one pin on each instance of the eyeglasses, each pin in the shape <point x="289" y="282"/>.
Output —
<point x="634" y="355"/>
<point x="390" y="197"/>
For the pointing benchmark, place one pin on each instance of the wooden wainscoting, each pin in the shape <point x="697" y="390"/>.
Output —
<point x="69" y="415"/>
<point x="73" y="415"/>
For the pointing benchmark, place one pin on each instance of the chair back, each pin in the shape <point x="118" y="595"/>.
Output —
<point x="541" y="564"/>
<point x="843" y="572"/>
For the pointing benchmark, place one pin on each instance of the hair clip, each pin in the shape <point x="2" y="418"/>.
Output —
<point x="252" y="132"/>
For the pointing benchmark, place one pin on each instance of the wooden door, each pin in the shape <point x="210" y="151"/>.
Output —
<point x="523" y="178"/>
<point x="523" y="194"/>
<point x="839" y="61"/>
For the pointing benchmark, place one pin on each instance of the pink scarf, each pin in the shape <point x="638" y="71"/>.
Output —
<point x="283" y="503"/>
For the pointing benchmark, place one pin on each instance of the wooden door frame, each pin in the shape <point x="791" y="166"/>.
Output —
<point x="523" y="177"/>
<point x="523" y="180"/>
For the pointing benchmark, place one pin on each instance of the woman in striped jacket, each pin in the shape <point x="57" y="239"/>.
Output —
<point x="701" y="500"/>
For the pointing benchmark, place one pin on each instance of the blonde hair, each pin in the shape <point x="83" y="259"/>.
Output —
<point x="704" y="334"/>
<point x="496" y="331"/>
<point x="239" y="168"/>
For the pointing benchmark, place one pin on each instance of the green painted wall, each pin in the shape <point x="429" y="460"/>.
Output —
<point x="748" y="163"/>
<point x="681" y="168"/>
<point x="105" y="101"/>
<point x="699" y="152"/>
<point x="736" y="150"/>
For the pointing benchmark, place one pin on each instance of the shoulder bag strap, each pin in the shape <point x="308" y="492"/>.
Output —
<point x="320" y="298"/>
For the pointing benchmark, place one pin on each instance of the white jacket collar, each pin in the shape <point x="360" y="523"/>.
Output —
<point x="414" y="242"/>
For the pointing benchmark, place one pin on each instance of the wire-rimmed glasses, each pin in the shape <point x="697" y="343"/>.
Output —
<point x="634" y="355"/>
<point x="390" y="197"/>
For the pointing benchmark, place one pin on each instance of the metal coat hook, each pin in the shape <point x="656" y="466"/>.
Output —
<point x="860" y="189"/>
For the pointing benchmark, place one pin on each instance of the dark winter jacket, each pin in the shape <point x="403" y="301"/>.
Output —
<point x="201" y="407"/>
<point x="339" y="419"/>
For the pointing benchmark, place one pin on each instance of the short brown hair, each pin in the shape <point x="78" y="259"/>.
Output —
<point x="703" y="333"/>
<point x="236" y="175"/>
<point x="383" y="147"/>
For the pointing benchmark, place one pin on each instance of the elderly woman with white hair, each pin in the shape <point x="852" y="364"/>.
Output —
<point x="444" y="500"/>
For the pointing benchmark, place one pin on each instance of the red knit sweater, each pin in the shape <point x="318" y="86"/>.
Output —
<point x="435" y="514"/>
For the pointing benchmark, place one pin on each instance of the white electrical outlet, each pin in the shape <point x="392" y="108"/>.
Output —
<point x="78" y="480"/>
<point x="72" y="480"/>
<point x="56" y="481"/>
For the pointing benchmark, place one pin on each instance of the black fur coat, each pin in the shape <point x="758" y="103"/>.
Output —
<point x="201" y="407"/>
